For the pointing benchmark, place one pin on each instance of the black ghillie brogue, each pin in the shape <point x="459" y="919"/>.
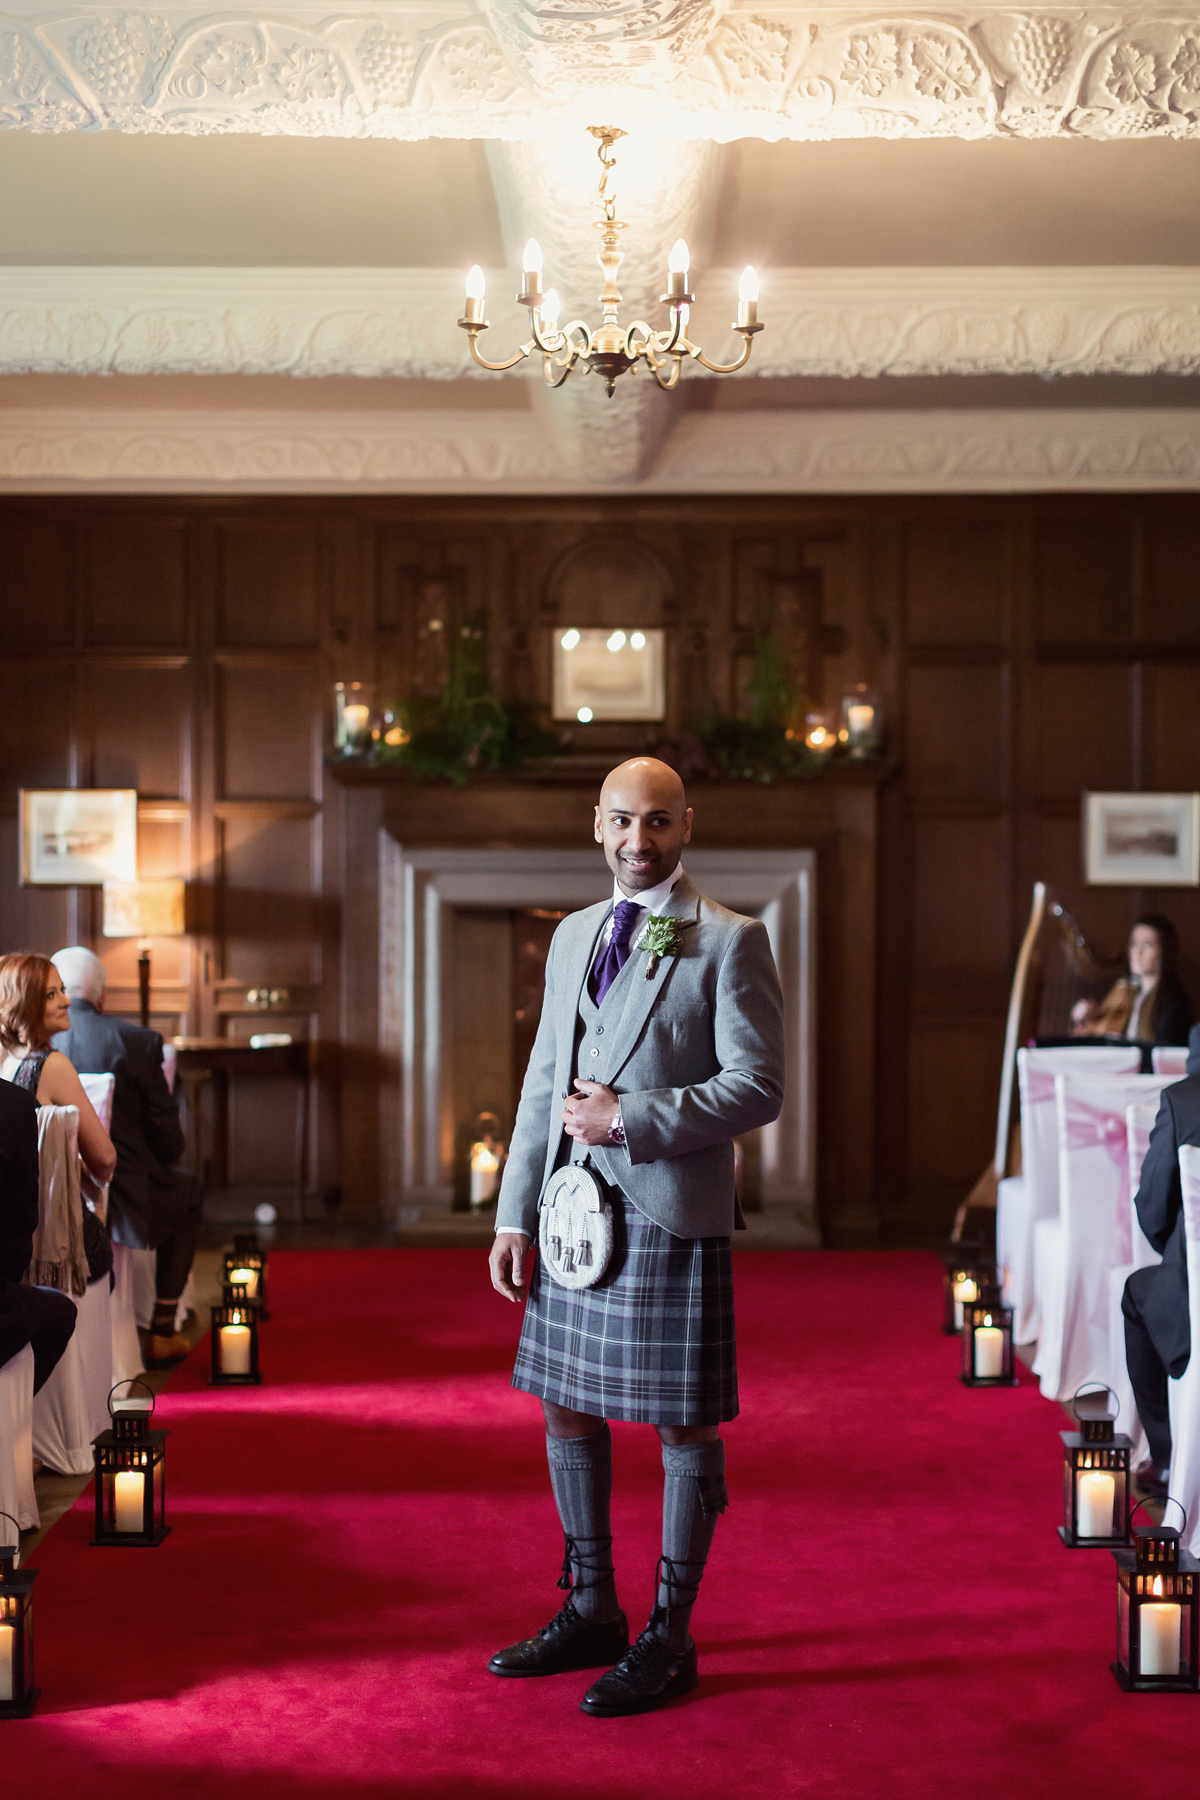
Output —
<point x="570" y="1641"/>
<point x="647" y="1677"/>
<point x="567" y="1642"/>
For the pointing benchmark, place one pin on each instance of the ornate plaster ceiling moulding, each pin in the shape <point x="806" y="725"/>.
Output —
<point x="463" y="453"/>
<point x="512" y="69"/>
<point x="382" y="322"/>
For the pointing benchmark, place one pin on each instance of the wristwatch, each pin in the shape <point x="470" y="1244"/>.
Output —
<point x="616" y="1131"/>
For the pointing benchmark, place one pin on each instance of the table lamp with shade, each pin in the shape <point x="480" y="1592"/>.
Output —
<point x="144" y="910"/>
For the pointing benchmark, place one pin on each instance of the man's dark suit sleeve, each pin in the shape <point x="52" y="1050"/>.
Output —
<point x="1159" y="1199"/>
<point x="18" y="1184"/>
<point x="160" y="1109"/>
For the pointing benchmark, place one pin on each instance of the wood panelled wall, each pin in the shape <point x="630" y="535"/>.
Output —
<point x="1026" y="648"/>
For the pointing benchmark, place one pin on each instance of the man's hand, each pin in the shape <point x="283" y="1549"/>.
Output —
<point x="511" y="1264"/>
<point x="588" y="1114"/>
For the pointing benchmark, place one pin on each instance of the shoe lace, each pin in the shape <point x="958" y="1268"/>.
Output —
<point x="594" y="1561"/>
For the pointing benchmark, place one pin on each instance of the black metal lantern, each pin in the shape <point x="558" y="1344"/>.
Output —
<point x="987" y="1350"/>
<point x="130" y="1461"/>
<point x="964" y="1279"/>
<point x="18" y="1696"/>
<point x="246" y="1266"/>
<point x="1096" y="1488"/>
<point x="235" y="1341"/>
<point x="1158" y="1612"/>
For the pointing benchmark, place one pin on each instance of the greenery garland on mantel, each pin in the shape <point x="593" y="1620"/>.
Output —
<point x="466" y="730"/>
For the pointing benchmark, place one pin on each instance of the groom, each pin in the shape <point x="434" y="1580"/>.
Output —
<point x="652" y="1065"/>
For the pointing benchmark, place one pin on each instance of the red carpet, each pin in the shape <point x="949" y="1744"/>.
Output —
<point x="888" y="1611"/>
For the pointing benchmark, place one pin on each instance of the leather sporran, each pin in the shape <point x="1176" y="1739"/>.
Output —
<point x="575" y="1227"/>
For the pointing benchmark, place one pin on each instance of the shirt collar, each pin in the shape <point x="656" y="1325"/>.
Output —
<point x="651" y="899"/>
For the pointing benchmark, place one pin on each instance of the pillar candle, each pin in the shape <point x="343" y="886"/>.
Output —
<point x="1095" y="1494"/>
<point x="1160" y="1638"/>
<point x="129" y="1496"/>
<point x="8" y="1646"/>
<point x="989" y="1352"/>
<point x="963" y="1291"/>
<point x="235" y="1350"/>
<point x="247" y="1278"/>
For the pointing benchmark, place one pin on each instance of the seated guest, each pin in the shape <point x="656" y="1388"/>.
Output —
<point x="1158" y="1339"/>
<point x="28" y="1315"/>
<point x="152" y="1206"/>
<point x="1149" y="1005"/>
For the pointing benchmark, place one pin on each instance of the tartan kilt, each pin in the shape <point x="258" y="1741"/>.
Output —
<point x="653" y="1340"/>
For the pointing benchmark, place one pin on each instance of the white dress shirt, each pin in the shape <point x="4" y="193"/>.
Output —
<point x="650" y="902"/>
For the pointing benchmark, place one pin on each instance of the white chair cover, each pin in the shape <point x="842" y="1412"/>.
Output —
<point x="126" y="1349"/>
<point x="99" y="1090"/>
<point x="170" y="1064"/>
<point x="1167" y="1059"/>
<point x="72" y="1408"/>
<point x="1012" y="1233"/>
<point x="1036" y="1070"/>
<point x="1092" y="1235"/>
<point x="1183" y="1395"/>
<point x="1139" y="1122"/>
<point x="16" y="1440"/>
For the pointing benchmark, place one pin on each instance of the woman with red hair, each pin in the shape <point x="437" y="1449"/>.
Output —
<point x="33" y="1006"/>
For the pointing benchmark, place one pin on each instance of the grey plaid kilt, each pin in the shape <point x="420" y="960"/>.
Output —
<point x="652" y="1341"/>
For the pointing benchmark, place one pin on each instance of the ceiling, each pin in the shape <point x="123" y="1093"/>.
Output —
<point x="987" y="238"/>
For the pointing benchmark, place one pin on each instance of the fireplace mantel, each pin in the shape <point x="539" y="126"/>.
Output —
<point x="833" y="814"/>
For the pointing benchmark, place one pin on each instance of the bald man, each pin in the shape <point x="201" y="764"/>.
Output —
<point x="645" y="1068"/>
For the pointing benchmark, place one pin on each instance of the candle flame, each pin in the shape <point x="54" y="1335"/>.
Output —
<point x="483" y="1160"/>
<point x="987" y="1318"/>
<point x="1156" y="1586"/>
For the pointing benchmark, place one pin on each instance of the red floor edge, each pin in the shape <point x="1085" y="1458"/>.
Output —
<point x="888" y="1610"/>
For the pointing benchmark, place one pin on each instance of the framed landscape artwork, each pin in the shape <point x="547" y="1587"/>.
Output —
<point x="77" y="837"/>
<point x="1141" y="840"/>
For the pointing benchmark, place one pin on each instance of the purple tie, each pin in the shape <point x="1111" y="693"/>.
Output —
<point x="613" y="957"/>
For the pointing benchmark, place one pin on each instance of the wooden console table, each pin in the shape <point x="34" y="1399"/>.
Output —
<point x="216" y="1060"/>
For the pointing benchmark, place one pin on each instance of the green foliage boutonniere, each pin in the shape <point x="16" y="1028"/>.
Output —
<point x="661" y="936"/>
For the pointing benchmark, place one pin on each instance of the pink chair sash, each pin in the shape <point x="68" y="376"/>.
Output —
<point x="1095" y="1128"/>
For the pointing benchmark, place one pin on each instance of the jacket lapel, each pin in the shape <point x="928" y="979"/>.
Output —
<point x="643" y="993"/>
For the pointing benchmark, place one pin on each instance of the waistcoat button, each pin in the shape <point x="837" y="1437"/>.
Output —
<point x="595" y="1052"/>
<point x="599" y="1031"/>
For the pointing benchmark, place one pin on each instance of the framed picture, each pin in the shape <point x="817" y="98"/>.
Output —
<point x="605" y="675"/>
<point x="1141" y="840"/>
<point x="77" y="837"/>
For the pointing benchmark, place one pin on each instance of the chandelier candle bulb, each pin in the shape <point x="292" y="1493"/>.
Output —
<point x="549" y="309"/>
<point x="531" y="273"/>
<point x="473" y="310"/>
<point x="747" y="299"/>
<point x="677" y="271"/>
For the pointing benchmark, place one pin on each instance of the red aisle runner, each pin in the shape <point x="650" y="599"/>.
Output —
<point x="888" y="1611"/>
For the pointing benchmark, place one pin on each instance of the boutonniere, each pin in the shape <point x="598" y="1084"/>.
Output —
<point x="661" y="936"/>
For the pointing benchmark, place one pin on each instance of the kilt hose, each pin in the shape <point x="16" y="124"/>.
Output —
<point x="652" y="1342"/>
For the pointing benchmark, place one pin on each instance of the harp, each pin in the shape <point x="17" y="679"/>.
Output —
<point x="1056" y="968"/>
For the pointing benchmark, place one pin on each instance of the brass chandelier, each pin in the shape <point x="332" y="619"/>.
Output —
<point x="611" y="350"/>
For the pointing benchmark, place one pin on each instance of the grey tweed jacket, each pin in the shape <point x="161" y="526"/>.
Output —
<point x="696" y="1056"/>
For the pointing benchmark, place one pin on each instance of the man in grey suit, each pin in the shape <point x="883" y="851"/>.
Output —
<point x="151" y="1204"/>
<point x="647" y="1066"/>
<point x="1158" y="1335"/>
